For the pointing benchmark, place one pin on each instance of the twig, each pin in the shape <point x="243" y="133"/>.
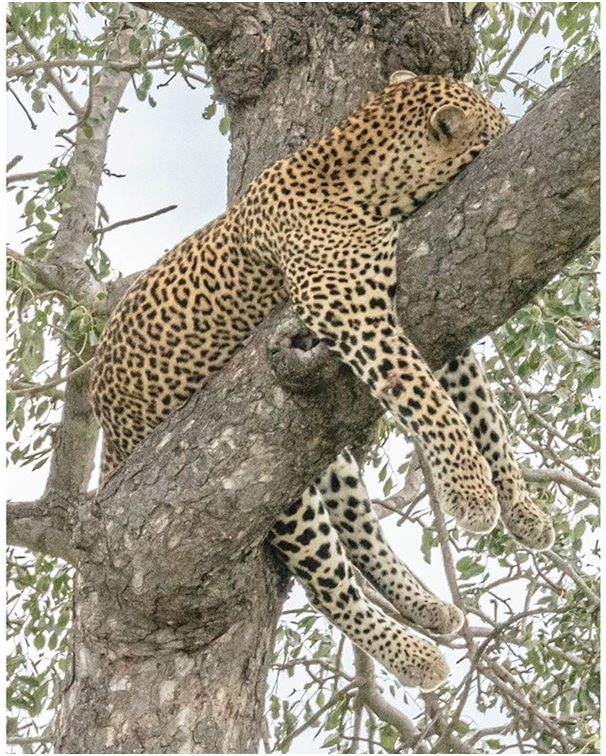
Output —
<point x="104" y="229"/>
<point x="551" y="429"/>
<point x="52" y="77"/>
<point x="513" y="56"/>
<point x="20" y="389"/>
<point x="32" y="123"/>
<point x="85" y="115"/>
<point x="546" y="474"/>
<point x="573" y="575"/>
<point x="345" y="691"/>
<point x="522" y="85"/>
<point x="12" y="163"/>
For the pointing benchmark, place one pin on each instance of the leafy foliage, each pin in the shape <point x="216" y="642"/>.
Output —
<point x="527" y="676"/>
<point x="49" y="332"/>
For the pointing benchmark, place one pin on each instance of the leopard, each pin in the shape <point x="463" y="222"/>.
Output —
<point x="319" y="229"/>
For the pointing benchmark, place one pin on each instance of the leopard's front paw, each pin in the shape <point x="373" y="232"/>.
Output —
<point x="439" y="617"/>
<point x="425" y="668"/>
<point x="475" y="508"/>
<point x="528" y="524"/>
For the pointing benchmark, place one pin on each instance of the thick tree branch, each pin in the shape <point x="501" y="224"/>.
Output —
<point x="42" y="525"/>
<point x="492" y="239"/>
<point x="212" y="22"/>
<point x="76" y="230"/>
<point x="64" y="268"/>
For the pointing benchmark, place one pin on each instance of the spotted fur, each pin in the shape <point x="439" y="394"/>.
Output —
<point x="319" y="228"/>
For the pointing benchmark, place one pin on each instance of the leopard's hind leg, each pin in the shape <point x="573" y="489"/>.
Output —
<point x="351" y="513"/>
<point x="311" y="548"/>
<point x="464" y="379"/>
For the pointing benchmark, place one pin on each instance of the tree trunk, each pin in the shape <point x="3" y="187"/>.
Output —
<point x="178" y="598"/>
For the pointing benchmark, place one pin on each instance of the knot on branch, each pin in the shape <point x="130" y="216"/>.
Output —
<point x="300" y="362"/>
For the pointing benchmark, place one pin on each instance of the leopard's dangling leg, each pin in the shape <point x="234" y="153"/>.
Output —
<point x="311" y="548"/>
<point x="351" y="513"/>
<point x="464" y="379"/>
<point x="351" y="311"/>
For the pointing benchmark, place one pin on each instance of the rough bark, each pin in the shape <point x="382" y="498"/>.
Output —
<point x="178" y="598"/>
<point x="495" y="236"/>
<point x="75" y="233"/>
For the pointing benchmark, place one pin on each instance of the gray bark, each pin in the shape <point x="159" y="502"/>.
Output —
<point x="178" y="597"/>
<point x="73" y="456"/>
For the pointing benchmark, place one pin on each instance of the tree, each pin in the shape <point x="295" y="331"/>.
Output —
<point x="176" y="608"/>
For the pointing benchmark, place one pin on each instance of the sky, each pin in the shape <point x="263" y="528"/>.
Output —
<point x="170" y="154"/>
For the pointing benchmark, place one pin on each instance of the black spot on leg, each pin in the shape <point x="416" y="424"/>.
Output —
<point x="310" y="564"/>
<point x="287" y="546"/>
<point x="306" y="536"/>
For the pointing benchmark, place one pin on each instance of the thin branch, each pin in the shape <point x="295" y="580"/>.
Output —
<point x="46" y="65"/>
<point x="547" y="475"/>
<point x="23" y="69"/>
<point x="52" y="77"/>
<point x="566" y="568"/>
<point x="560" y="461"/>
<point x="513" y="56"/>
<point x="369" y="693"/>
<point x="16" y="177"/>
<point x="12" y="163"/>
<point x="27" y="741"/>
<point x="104" y="229"/>
<point x="20" y="389"/>
<point x="32" y="123"/>
<point x="47" y="276"/>
<point x="591" y="349"/>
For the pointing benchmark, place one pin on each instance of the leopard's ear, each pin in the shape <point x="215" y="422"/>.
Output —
<point x="450" y="122"/>
<point x="398" y="77"/>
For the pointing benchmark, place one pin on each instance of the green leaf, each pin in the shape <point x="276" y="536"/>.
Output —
<point x="388" y="736"/>
<point x="462" y="728"/>
<point x="134" y="45"/>
<point x="427" y="543"/>
<point x="468" y="567"/>
<point x="224" y="124"/>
